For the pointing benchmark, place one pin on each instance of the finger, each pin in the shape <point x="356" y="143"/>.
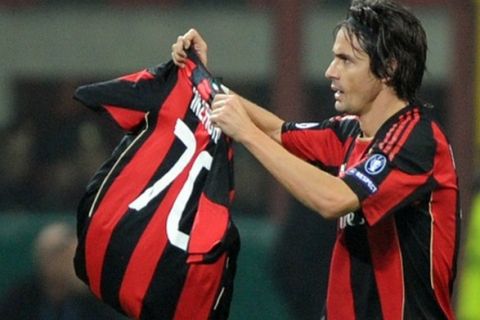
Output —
<point x="218" y="104"/>
<point x="179" y="61"/>
<point x="178" y="47"/>
<point x="192" y="35"/>
<point x="219" y="101"/>
<point x="183" y="42"/>
<point x="220" y="96"/>
<point x="193" y="38"/>
<point x="179" y="55"/>
<point x="215" y="118"/>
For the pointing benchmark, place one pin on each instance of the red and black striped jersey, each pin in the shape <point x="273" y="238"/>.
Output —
<point x="154" y="226"/>
<point x="394" y="258"/>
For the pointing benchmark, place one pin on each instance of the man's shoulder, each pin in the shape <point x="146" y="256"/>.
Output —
<point x="408" y="140"/>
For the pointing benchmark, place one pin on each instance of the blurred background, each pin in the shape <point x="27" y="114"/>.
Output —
<point x="275" y="53"/>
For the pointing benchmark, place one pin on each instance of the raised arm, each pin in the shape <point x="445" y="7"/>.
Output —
<point x="328" y="195"/>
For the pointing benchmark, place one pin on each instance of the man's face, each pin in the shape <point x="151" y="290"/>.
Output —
<point x="352" y="81"/>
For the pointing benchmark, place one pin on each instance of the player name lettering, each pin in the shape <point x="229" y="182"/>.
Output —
<point x="202" y="110"/>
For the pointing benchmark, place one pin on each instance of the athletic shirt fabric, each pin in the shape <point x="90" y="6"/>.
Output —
<point x="154" y="226"/>
<point x="394" y="258"/>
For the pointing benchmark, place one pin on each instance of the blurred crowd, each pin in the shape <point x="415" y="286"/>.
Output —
<point x="50" y="149"/>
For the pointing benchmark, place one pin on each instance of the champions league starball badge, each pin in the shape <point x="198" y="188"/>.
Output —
<point x="375" y="164"/>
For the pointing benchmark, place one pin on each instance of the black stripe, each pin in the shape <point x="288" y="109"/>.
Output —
<point x="79" y="261"/>
<point x="414" y="232"/>
<point x="162" y="296"/>
<point x="191" y="207"/>
<point x="120" y="248"/>
<point x="364" y="287"/>
<point x="220" y="180"/>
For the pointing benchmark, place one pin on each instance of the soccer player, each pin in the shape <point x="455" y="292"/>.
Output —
<point x="395" y="195"/>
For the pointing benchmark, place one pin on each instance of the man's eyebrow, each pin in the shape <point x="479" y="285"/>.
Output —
<point x="356" y="55"/>
<point x="343" y="55"/>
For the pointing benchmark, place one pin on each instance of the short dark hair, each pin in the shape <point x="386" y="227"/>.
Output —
<point x="395" y="41"/>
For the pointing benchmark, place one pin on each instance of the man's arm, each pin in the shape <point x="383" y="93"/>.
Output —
<point x="266" y="121"/>
<point x="330" y="196"/>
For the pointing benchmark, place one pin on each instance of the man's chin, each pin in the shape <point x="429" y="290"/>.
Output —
<point x="339" y="106"/>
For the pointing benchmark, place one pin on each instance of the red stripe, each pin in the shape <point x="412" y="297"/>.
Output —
<point x="443" y="209"/>
<point x="200" y="290"/>
<point x="340" y="303"/>
<point x="384" y="144"/>
<point x="149" y="249"/>
<point x="391" y="139"/>
<point x="415" y="118"/>
<point x="204" y="89"/>
<point x="127" y="119"/>
<point x="128" y="186"/>
<point x="188" y="69"/>
<point x="209" y="226"/>
<point x="388" y="267"/>
<point x="392" y="135"/>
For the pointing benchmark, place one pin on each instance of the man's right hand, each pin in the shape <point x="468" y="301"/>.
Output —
<point x="191" y="38"/>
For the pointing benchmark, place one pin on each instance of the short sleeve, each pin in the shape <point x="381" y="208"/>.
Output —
<point x="320" y="143"/>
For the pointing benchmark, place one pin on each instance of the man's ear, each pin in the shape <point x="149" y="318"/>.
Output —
<point x="391" y="68"/>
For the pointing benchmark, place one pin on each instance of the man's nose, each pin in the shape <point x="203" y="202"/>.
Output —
<point x="331" y="72"/>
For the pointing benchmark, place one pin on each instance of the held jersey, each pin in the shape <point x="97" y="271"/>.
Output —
<point x="154" y="225"/>
<point x="394" y="258"/>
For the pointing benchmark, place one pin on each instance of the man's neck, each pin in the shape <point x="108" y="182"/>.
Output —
<point x="384" y="107"/>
